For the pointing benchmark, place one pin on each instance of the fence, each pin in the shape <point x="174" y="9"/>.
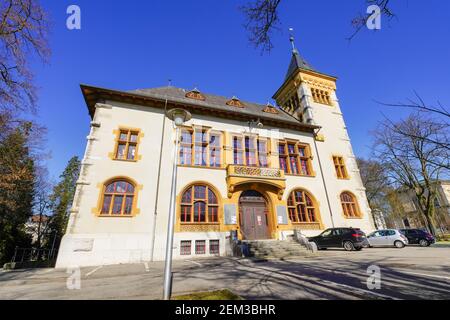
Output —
<point x="33" y="255"/>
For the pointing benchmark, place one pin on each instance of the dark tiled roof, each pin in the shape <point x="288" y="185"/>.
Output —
<point x="297" y="62"/>
<point x="212" y="105"/>
<point x="215" y="102"/>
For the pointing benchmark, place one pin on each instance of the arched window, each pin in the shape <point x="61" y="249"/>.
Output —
<point x="199" y="205"/>
<point x="118" y="199"/>
<point x="349" y="205"/>
<point x="301" y="207"/>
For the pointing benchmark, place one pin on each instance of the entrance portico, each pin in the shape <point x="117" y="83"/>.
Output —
<point x="257" y="192"/>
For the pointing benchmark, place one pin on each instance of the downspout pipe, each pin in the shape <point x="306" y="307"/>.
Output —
<point x="323" y="180"/>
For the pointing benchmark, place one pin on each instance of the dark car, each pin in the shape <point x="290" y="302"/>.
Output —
<point x="418" y="236"/>
<point x="347" y="238"/>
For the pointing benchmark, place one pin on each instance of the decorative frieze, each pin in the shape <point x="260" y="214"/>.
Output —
<point x="199" y="228"/>
<point x="258" y="172"/>
<point x="307" y="226"/>
<point x="319" y="83"/>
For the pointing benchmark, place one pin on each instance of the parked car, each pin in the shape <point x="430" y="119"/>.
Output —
<point x="389" y="237"/>
<point x="347" y="238"/>
<point x="420" y="237"/>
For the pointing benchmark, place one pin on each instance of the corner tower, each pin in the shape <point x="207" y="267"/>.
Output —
<point x="310" y="96"/>
<point x="302" y="87"/>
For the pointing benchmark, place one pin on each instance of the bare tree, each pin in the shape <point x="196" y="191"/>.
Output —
<point x="420" y="105"/>
<point x="374" y="178"/>
<point x="262" y="19"/>
<point x="23" y="32"/>
<point x="438" y="114"/>
<point x="42" y="205"/>
<point x="377" y="185"/>
<point x="411" y="160"/>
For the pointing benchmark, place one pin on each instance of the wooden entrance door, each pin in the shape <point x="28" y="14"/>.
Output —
<point x="254" y="224"/>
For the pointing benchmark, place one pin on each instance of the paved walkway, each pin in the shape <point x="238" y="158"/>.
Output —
<point x="410" y="273"/>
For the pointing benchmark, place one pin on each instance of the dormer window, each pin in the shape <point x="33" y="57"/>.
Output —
<point x="270" y="109"/>
<point x="195" y="94"/>
<point x="235" y="102"/>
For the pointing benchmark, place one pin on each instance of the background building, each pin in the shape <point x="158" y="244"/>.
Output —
<point x="36" y="225"/>
<point x="407" y="214"/>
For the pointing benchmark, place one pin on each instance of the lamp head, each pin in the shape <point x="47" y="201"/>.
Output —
<point x="179" y="116"/>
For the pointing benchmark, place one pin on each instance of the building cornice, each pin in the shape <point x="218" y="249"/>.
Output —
<point x="94" y="95"/>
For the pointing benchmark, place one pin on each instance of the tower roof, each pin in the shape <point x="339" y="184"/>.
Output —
<point x="297" y="62"/>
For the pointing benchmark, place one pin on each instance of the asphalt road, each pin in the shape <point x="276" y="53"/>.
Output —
<point x="409" y="273"/>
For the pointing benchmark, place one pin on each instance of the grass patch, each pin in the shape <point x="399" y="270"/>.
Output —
<point x="210" y="295"/>
<point x="443" y="238"/>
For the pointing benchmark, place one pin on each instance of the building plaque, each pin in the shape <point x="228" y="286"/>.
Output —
<point x="230" y="214"/>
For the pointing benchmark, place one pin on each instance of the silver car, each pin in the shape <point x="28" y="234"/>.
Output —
<point x="389" y="237"/>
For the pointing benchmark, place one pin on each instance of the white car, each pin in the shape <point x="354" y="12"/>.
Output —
<point x="389" y="237"/>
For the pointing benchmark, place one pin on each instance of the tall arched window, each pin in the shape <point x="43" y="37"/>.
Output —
<point x="301" y="207"/>
<point x="118" y="198"/>
<point x="199" y="205"/>
<point x="350" y="205"/>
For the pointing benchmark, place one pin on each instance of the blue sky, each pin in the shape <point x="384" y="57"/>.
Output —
<point x="139" y="44"/>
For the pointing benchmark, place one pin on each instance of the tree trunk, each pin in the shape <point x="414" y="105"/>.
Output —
<point x="430" y="224"/>
<point x="374" y="221"/>
<point x="39" y="231"/>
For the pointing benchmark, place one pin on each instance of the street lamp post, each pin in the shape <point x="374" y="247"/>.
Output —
<point x="179" y="117"/>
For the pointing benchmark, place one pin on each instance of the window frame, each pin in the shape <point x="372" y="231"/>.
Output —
<point x="198" y="245"/>
<point x="184" y="246"/>
<point x="194" y="201"/>
<point x="266" y="155"/>
<point x="214" y="243"/>
<point x="321" y="96"/>
<point x="340" y="167"/>
<point x="103" y="193"/>
<point x="298" y="158"/>
<point x="206" y="147"/>
<point x="128" y="142"/>
<point x="354" y="205"/>
<point x="291" y="104"/>
<point x="254" y="140"/>
<point x="293" y="204"/>
<point x="238" y="150"/>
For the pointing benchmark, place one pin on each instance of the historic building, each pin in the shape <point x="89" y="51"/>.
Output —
<point x="406" y="208"/>
<point x="253" y="171"/>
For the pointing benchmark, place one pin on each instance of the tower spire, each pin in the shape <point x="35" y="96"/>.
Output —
<point x="292" y="39"/>
<point x="297" y="61"/>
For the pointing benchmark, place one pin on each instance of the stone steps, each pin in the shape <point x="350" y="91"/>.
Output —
<point x="277" y="249"/>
